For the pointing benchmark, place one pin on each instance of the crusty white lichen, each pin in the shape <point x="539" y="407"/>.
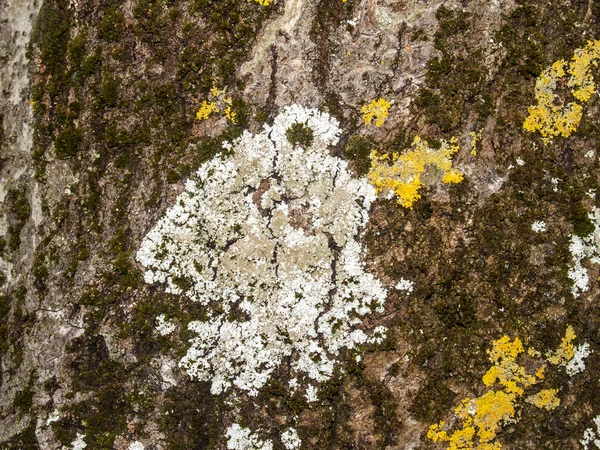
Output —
<point x="583" y="248"/>
<point x="591" y="436"/>
<point x="290" y="439"/>
<point x="577" y="363"/>
<point x="265" y="239"/>
<point x="241" y="438"/>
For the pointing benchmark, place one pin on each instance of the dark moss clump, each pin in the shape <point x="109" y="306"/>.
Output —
<point x="24" y="399"/>
<point x="456" y="78"/>
<point x="19" y="211"/>
<point x="51" y="33"/>
<point x="187" y="426"/>
<point x="433" y="401"/>
<point x="104" y="415"/>
<point x="358" y="151"/>
<point x="300" y="134"/>
<point x="111" y="27"/>
<point x="67" y="142"/>
<point x="26" y="439"/>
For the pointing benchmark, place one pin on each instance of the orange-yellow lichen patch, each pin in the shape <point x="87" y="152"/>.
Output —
<point x="376" y="111"/>
<point x="206" y="109"/>
<point x="492" y="409"/>
<point x="546" y="399"/>
<point x="549" y="116"/>
<point x="480" y="419"/>
<point x="505" y="370"/>
<point x="566" y="351"/>
<point x="475" y="138"/>
<point x="218" y="103"/>
<point x="541" y="372"/>
<point x="401" y="174"/>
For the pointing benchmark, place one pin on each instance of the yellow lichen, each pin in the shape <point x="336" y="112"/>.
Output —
<point x="219" y="103"/>
<point x="401" y="174"/>
<point x="546" y="399"/>
<point x="566" y="351"/>
<point x="436" y="434"/>
<point x="549" y="116"/>
<point x="505" y="370"/>
<point x="377" y="110"/>
<point x="481" y="418"/>
<point x="263" y="2"/>
<point x="541" y="372"/>
<point x="230" y="115"/>
<point x="206" y="109"/>
<point x="475" y="138"/>
<point x="491" y="409"/>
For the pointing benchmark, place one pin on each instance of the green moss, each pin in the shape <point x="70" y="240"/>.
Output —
<point x="40" y="270"/>
<point x="51" y="34"/>
<point x="23" y="400"/>
<point x="18" y="212"/>
<point x="103" y="416"/>
<point x="4" y="311"/>
<point x="26" y="439"/>
<point x="112" y="25"/>
<point x="358" y="150"/>
<point x="186" y="426"/>
<point x="386" y="421"/>
<point x="67" y="142"/>
<point x="110" y="90"/>
<point x="433" y="401"/>
<point x="300" y="134"/>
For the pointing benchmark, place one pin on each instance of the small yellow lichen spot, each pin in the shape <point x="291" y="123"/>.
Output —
<point x="400" y="174"/>
<point x="263" y="2"/>
<point x="231" y="115"/>
<point x="377" y="110"/>
<point x="492" y="408"/>
<point x="546" y="399"/>
<point x="480" y="419"/>
<point x="215" y="91"/>
<point x="531" y="351"/>
<point x="551" y="118"/>
<point x="489" y="446"/>
<point x="436" y="434"/>
<point x="206" y="109"/>
<point x="541" y="373"/>
<point x="492" y="375"/>
<point x="505" y="350"/>
<point x="462" y="439"/>
<point x="566" y="351"/>
<point x="475" y="137"/>
<point x="453" y="176"/>
<point x="462" y="410"/>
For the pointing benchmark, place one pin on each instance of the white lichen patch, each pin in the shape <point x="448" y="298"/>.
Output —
<point x="405" y="285"/>
<point x="577" y="363"/>
<point x="265" y="239"/>
<point x="239" y="438"/>
<point x="581" y="248"/>
<point x="539" y="226"/>
<point x="290" y="439"/>
<point x="78" y="444"/>
<point x="54" y="416"/>
<point x="164" y="327"/>
<point x="137" y="445"/>
<point x="590" y="436"/>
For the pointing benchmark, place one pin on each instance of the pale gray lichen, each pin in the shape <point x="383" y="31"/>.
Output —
<point x="583" y="248"/>
<point x="265" y="238"/>
<point x="241" y="438"/>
